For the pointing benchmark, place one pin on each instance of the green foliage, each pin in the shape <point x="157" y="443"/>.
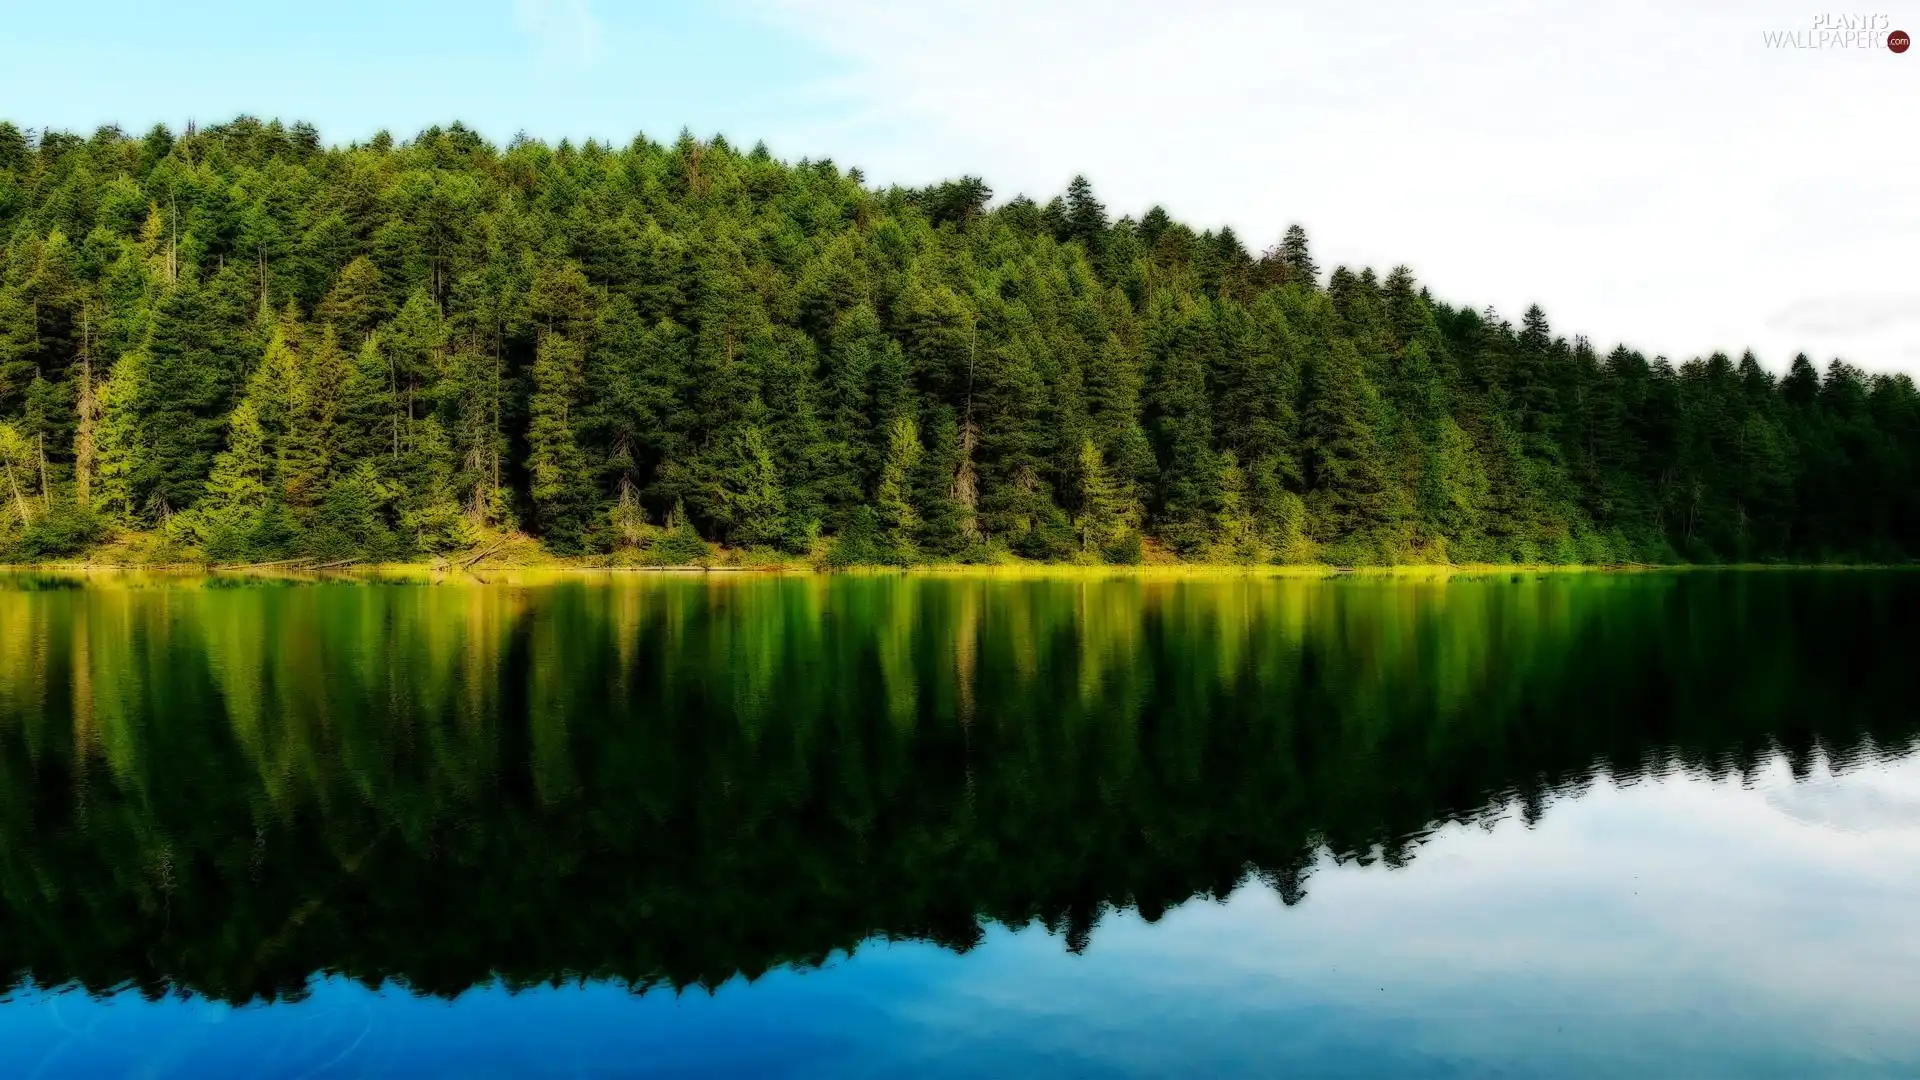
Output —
<point x="752" y="498"/>
<point x="895" y="495"/>
<point x="352" y="518"/>
<point x="65" y="530"/>
<point x="861" y="542"/>
<point x="680" y="544"/>
<point x="575" y="340"/>
<point x="1237" y="541"/>
<point x="425" y="491"/>
<point x="1101" y="520"/>
<point x="1125" y="550"/>
<point x="232" y="518"/>
<point x="556" y="469"/>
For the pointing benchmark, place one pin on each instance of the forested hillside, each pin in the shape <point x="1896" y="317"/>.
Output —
<point x="246" y="345"/>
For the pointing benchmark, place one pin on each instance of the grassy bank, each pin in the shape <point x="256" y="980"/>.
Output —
<point x="513" y="553"/>
<point x="521" y="570"/>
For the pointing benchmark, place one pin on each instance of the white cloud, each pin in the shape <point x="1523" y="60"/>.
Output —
<point x="1845" y="316"/>
<point x="1859" y="803"/>
<point x="564" y="32"/>
<point x="1647" y="174"/>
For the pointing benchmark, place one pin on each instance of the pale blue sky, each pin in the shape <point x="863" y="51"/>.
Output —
<point x="1650" y="171"/>
<point x="549" y="67"/>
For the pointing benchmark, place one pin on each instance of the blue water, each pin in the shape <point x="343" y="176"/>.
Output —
<point x="1676" y="926"/>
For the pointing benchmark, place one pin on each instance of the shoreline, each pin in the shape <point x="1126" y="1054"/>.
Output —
<point x="443" y="571"/>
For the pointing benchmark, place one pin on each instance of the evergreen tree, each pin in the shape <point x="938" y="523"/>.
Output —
<point x="430" y="515"/>
<point x="357" y="302"/>
<point x="1101" y="519"/>
<point x="370" y="420"/>
<point x="1086" y="218"/>
<point x="1180" y="416"/>
<point x="555" y="465"/>
<point x="751" y="497"/>
<point x="233" y="510"/>
<point x="1296" y="258"/>
<point x="181" y="401"/>
<point x="1238" y="540"/>
<point x="1350" y="493"/>
<point x="894" y="498"/>
<point x="311" y="396"/>
<point x="121" y="447"/>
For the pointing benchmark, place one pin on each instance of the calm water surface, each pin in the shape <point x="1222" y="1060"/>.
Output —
<point x="868" y="826"/>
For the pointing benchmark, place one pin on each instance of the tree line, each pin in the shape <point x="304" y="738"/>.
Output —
<point x="237" y="343"/>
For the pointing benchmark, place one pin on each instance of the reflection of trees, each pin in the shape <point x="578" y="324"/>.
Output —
<point x="676" y="781"/>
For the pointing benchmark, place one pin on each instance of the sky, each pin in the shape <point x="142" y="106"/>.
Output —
<point x="1655" y="173"/>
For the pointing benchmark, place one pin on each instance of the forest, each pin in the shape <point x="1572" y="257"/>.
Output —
<point x="237" y="343"/>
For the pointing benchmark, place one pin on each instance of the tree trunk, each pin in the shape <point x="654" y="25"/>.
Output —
<point x="19" y="500"/>
<point x="83" y="437"/>
<point x="46" y="491"/>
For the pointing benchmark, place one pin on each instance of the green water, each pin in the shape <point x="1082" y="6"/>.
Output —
<point x="237" y="792"/>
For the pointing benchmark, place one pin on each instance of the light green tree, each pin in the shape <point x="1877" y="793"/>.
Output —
<point x="554" y="460"/>
<point x="16" y="458"/>
<point x="756" y="504"/>
<point x="1100" y="521"/>
<point x="239" y="491"/>
<point x="895" y="494"/>
<point x="119" y="443"/>
<point x="1237" y="538"/>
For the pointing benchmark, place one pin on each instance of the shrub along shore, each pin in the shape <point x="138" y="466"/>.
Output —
<point x="519" y="556"/>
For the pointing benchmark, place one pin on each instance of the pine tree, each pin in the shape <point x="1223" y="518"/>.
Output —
<point x="1086" y="218"/>
<point x="894" y="498"/>
<point x="352" y="518"/>
<point x="1455" y="488"/>
<point x="1345" y="467"/>
<point x="1100" y="521"/>
<point x="238" y="492"/>
<point x="1238" y="541"/>
<point x="187" y="377"/>
<point x="415" y="345"/>
<point x="86" y="421"/>
<point x="939" y="488"/>
<point x="370" y="422"/>
<point x="751" y="495"/>
<point x="357" y="302"/>
<point x="1534" y="386"/>
<point x="1009" y="410"/>
<point x="426" y="489"/>
<point x="1258" y="386"/>
<point x="1297" y="259"/>
<point x="555" y="465"/>
<point x="1182" y="346"/>
<point x="311" y="396"/>
<point x="19" y="347"/>
<point x="121" y="446"/>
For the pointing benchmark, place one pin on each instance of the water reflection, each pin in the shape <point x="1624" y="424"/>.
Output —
<point x="673" y="782"/>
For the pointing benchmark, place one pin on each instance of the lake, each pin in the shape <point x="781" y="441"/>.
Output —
<point x="719" y="825"/>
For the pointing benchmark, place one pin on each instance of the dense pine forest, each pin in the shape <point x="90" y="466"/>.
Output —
<point x="238" y="344"/>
